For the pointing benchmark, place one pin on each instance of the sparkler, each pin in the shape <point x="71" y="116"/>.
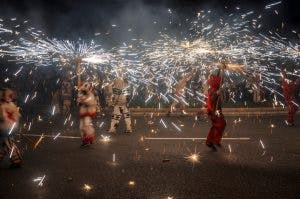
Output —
<point x="102" y="123"/>
<point x="56" y="136"/>
<point x="39" y="141"/>
<point x="18" y="71"/>
<point x="12" y="151"/>
<point x="229" y="147"/>
<point x="12" y="128"/>
<point x="53" y="110"/>
<point x="26" y="98"/>
<point x="262" y="144"/>
<point x="29" y="127"/>
<point x="40" y="180"/>
<point x="34" y="95"/>
<point x="176" y="126"/>
<point x="272" y="4"/>
<point x="163" y="123"/>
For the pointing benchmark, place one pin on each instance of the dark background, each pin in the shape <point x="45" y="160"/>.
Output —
<point x="73" y="19"/>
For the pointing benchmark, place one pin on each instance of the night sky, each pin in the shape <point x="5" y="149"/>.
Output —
<point x="73" y="19"/>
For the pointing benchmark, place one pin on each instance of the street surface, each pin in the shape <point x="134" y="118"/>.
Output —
<point x="259" y="158"/>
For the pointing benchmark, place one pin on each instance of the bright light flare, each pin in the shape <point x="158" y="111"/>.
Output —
<point x="105" y="138"/>
<point x="194" y="158"/>
<point x="87" y="187"/>
<point x="97" y="59"/>
<point x="131" y="183"/>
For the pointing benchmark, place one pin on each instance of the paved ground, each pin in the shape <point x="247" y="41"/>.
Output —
<point x="266" y="164"/>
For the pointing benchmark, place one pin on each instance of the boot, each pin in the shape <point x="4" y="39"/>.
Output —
<point x="210" y="145"/>
<point x="113" y="126"/>
<point x="128" y="124"/>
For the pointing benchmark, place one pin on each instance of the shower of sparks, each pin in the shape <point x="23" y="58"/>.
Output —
<point x="44" y="52"/>
<point x="154" y="67"/>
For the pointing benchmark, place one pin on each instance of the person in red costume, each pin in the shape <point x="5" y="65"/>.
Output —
<point x="87" y="109"/>
<point x="290" y="88"/>
<point x="214" y="109"/>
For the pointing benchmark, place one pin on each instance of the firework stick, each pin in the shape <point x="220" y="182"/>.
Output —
<point x="224" y="66"/>
<point x="78" y="62"/>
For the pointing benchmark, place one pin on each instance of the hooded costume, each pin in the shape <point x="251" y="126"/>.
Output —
<point x="9" y="121"/>
<point x="118" y="99"/>
<point x="87" y="110"/>
<point x="290" y="89"/>
<point x="214" y="111"/>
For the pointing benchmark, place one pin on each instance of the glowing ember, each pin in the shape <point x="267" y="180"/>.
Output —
<point x="105" y="138"/>
<point x="131" y="183"/>
<point x="87" y="187"/>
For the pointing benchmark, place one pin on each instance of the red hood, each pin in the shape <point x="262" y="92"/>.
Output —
<point x="214" y="81"/>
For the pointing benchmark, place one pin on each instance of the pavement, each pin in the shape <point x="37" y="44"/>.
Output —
<point x="165" y="157"/>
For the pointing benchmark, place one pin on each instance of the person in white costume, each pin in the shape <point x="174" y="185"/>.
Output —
<point x="117" y="98"/>
<point x="87" y="110"/>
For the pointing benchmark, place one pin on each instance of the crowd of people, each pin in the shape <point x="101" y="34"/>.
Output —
<point x="88" y="97"/>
